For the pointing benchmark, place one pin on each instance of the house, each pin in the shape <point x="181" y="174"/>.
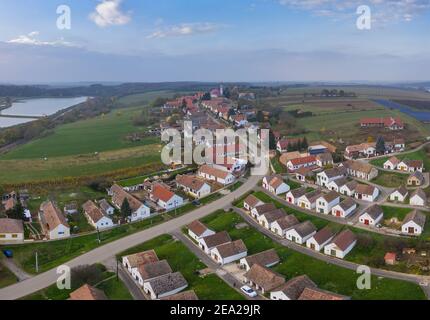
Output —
<point x="341" y="245"/>
<point x="399" y="195"/>
<point x="397" y="145"/>
<point x="390" y="123"/>
<point x="302" y="162"/>
<point x="106" y="207"/>
<point x="194" y="186"/>
<point x="251" y="202"/>
<point x="10" y="204"/>
<point x="392" y="163"/>
<point x="263" y="279"/>
<point x="138" y="210"/>
<point x="372" y="216"/>
<point x="360" y="170"/>
<point x="282" y="145"/>
<point x="349" y="188"/>
<point x="283" y="224"/>
<point x="390" y="258"/>
<point x="259" y="210"/>
<point x="87" y="293"/>
<point x="364" y="150"/>
<point x="212" y="174"/>
<point x="182" y="296"/>
<point x="316" y="294"/>
<point x="148" y="271"/>
<point x="267" y="218"/>
<point x="344" y="209"/>
<point x="366" y="192"/>
<point x="324" y="178"/>
<point x="275" y="184"/>
<point x="324" y="159"/>
<point x="11" y="231"/>
<point x="411" y="166"/>
<point x="71" y="208"/>
<point x="325" y="203"/>
<point x="309" y="200"/>
<point x="320" y="239"/>
<point x="166" y="285"/>
<point x="165" y="198"/>
<point x="337" y="184"/>
<point x="266" y="259"/>
<point x="414" y="223"/>
<point x="96" y="217"/>
<point x="53" y="222"/>
<point x="210" y="242"/>
<point x="418" y="198"/>
<point x="293" y="289"/>
<point x="305" y="174"/>
<point x="197" y="231"/>
<point x="300" y="233"/>
<point x="416" y="179"/>
<point x="294" y="195"/>
<point x="133" y="261"/>
<point x="229" y="252"/>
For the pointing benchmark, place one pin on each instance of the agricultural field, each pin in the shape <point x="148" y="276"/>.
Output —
<point x="209" y="287"/>
<point x="326" y="276"/>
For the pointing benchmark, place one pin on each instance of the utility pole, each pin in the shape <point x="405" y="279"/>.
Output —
<point x="98" y="235"/>
<point x="117" y="269"/>
<point x="37" y="263"/>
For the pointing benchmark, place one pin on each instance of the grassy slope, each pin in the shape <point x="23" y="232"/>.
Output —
<point x="7" y="278"/>
<point x="326" y="276"/>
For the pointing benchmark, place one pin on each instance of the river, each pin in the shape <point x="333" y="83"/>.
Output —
<point x="420" y="115"/>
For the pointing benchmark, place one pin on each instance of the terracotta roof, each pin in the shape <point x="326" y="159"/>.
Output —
<point x="10" y="203"/>
<point x="274" y="215"/>
<point x="141" y="258"/>
<point x="365" y="189"/>
<point x="191" y="182"/>
<point x="265" y="208"/>
<point x="266" y="258"/>
<point x="264" y="278"/>
<point x="295" y="287"/>
<point x="305" y="228"/>
<point x="231" y="249"/>
<point x="11" y="226"/>
<point x="275" y="181"/>
<point x="414" y="163"/>
<point x="155" y="269"/>
<point x="119" y="194"/>
<point x="197" y="228"/>
<point x="304" y="160"/>
<point x="287" y="222"/>
<point x="206" y="169"/>
<point x="252" y="201"/>
<point x="93" y="211"/>
<point x="87" y="292"/>
<point x="390" y="256"/>
<point x="52" y="216"/>
<point x="217" y="239"/>
<point x="323" y="235"/>
<point x="417" y="217"/>
<point x="394" y="160"/>
<point x="344" y="239"/>
<point x="183" y="296"/>
<point x="162" y="193"/>
<point x="318" y="294"/>
<point x="374" y="211"/>
<point x="167" y="283"/>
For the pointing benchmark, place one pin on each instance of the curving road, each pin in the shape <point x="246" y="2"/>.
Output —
<point x="100" y="254"/>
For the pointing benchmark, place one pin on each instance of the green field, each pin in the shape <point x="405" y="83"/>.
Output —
<point x="391" y="179"/>
<point x="7" y="278"/>
<point x="210" y="287"/>
<point x="326" y="276"/>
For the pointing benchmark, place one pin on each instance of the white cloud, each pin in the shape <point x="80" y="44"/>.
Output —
<point x="31" y="39"/>
<point x="185" y="29"/>
<point x="108" y="13"/>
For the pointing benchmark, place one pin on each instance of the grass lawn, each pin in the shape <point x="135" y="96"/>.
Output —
<point x="326" y="276"/>
<point x="391" y="179"/>
<point x="277" y="165"/>
<point x="181" y="259"/>
<point x="7" y="278"/>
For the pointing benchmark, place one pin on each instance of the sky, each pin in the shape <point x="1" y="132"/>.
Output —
<point x="208" y="40"/>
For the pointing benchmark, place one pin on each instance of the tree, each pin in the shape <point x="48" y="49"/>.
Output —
<point x="305" y="144"/>
<point x="260" y="116"/>
<point x="272" y="140"/>
<point x="87" y="274"/>
<point x="380" y="145"/>
<point x="206" y="96"/>
<point x="17" y="212"/>
<point x="125" y="208"/>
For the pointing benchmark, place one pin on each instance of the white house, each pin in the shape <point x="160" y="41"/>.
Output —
<point x="133" y="261"/>
<point x="266" y="259"/>
<point x="275" y="184"/>
<point x="251" y="202"/>
<point x="268" y="218"/>
<point x="418" y="198"/>
<point x="411" y="166"/>
<point x="391" y="164"/>
<point x="11" y="231"/>
<point x="194" y="186"/>
<point x="294" y="195"/>
<point x="366" y="192"/>
<point x="414" y="223"/>
<point x="341" y="245"/>
<point x="325" y="203"/>
<point x="309" y="200"/>
<point x="212" y="241"/>
<point x="360" y="170"/>
<point x="302" y="162"/>
<point x="229" y="252"/>
<point x="212" y="174"/>
<point x="324" y="159"/>
<point x="293" y="289"/>
<point x="349" y="189"/>
<point x="165" y="285"/>
<point x="320" y="239"/>
<point x="53" y="222"/>
<point x="327" y="176"/>
<point x="281" y="226"/>
<point x="96" y="217"/>
<point x="262" y="209"/>
<point x="344" y="209"/>
<point x="106" y="207"/>
<point x="337" y="184"/>
<point x="197" y="231"/>
<point x="165" y="198"/>
<point x="372" y="216"/>
<point x="301" y="233"/>
<point x="399" y="195"/>
<point x="148" y="271"/>
<point x="138" y="210"/>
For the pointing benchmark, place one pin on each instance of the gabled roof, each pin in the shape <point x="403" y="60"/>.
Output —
<point x="394" y="160"/>
<point x="420" y="193"/>
<point x="104" y="205"/>
<point x="417" y="217"/>
<point x="266" y="258"/>
<point x="119" y="195"/>
<point x="265" y="208"/>
<point x="359" y="166"/>
<point x="325" y="157"/>
<point x="162" y="193"/>
<point x="94" y="212"/>
<point x="87" y="292"/>
<point x="295" y="287"/>
<point x="365" y="189"/>
<point x="231" y="248"/>
<point x="323" y="235"/>
<point x="11" y="226"/>
<point x="344" y="239"/>
<point x="417" y="175"/>
<point x="351" y="185"/>
<point x="297" y="193"/>
<point x="332" y="195"/>
<point x="347" y="203"/>
<point x="340" y="182"/>
<point x="191" y="182"/>
<point x="287" y="222"/>
<point x="403" y="191"/>
<point x="374" y="211"/>
<point x="52" y="216"/>
<point x="167" y="283"/>
<point x="305" y="228"/>
<point x="220" y="174"/>
<point x="414" y="163"/>
<point x="264" y="278"/>
<point x="182" y="296"/>
<point x="274" y="215"/>
<point x="304" y="160"/>
<point x="335" y="172"/>
<point x="252" y="200"/>
<point x="197" y="228"/>
<point x="318" y="294"/>
<point x="313" y="196"/>
<point x="217" y="239"/>
<point x="141" y="258"/>
<point x="155" y="269"/>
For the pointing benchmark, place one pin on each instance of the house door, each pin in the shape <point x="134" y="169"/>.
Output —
<point x="312" y="246"/>
<point x="303" y="205"/>
<point x="360" y="197"/>
<point x="333" y="252"/>
<point x="290" y="200"/>
<point x="338" y="214"/>
<point x="293" y="239"/>
<point x="366" y="222"/>
<point x="411" y="230"/>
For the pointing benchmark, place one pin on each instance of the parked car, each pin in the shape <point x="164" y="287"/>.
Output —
<point x="8" y="254"/>
<point x="249" y="292"/>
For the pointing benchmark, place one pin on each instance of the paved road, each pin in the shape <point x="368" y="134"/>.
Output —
<point x="100" y="254"/>
<point x="338" y="262"/>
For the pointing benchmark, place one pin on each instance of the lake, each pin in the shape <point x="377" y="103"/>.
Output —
<point x="423" y="116"/>
<point x="37" y="108"/>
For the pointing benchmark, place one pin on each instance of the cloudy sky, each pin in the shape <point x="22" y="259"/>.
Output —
<point x="208" y="40"/>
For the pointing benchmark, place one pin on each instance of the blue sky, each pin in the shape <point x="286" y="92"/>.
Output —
<point x="208" y="40"/>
